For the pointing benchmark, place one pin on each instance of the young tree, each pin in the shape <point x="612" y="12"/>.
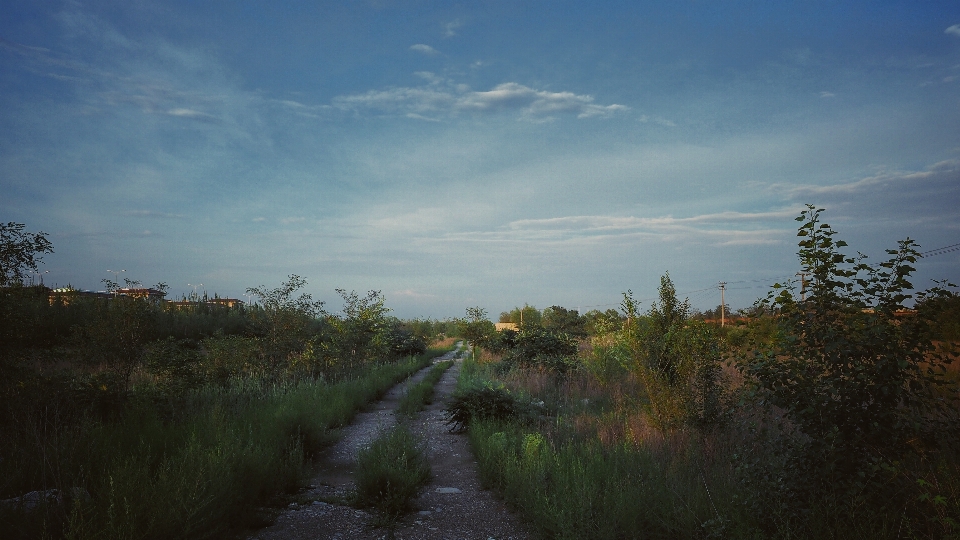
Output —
<point x="362" y="331"/>
<point x="20" y="252"/>
<point x="475" y="328"/>
<point x="282" y="320"/>
<point x="857" y="382"/>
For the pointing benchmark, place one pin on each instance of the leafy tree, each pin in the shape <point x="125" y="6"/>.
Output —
<point x="536" y="345"/>
<point x="602" y="322"/>
<point x="861" y="386"/>
<point x="364" y="323"/>
<point x="665" y="319"/>
<point x="20" y="252"/>
<point x="565" y="321"/>
<point x="522" y="316"/>
<point x="475" y="328"/>
<point x="676" y="359"/>
<point x="281" y="320"/>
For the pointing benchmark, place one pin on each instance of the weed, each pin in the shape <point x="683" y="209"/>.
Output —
<point x="390" y="473"/>
<point x="421" y="394"/>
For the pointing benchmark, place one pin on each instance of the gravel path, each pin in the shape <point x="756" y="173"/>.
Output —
<point x="452" y="507"/>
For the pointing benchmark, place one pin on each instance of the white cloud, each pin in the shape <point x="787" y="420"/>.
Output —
<point x="826" y="94"/>
<point x="453" y="99"/>
<point x="953" y="30"/>
<point x="425" y="49"/>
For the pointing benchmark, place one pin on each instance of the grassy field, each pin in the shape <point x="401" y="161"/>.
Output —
<point x="194" y="468"/>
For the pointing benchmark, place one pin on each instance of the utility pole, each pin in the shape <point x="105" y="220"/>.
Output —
<point x="803" y="285"/>
<point x="723" y="286"/>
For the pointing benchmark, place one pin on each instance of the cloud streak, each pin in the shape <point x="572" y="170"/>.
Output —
<point x="424" y="49"/>
<point x="440" y="99"/>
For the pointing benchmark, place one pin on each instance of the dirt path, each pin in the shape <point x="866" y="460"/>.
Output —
<point x="452" y="507"/>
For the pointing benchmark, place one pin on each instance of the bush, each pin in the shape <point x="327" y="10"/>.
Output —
<point x="391" y="472"/>
<point x="483" y="402"/>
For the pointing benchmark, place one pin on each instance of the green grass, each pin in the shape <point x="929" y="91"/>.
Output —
<point x="195" y="470"/>
<point x="391" y="473"/>
<point x="599" y="468"/>
<point x="581" y="489"/>
<point x="421" y="394"/>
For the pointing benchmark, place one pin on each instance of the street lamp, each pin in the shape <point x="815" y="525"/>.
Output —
<point x="116" y="279"/>
<point x="195" y="297"/>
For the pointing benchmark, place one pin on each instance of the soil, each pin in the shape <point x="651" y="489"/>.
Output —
<point x="453" y="506"/>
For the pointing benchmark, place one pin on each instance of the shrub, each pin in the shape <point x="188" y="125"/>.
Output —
<point x="481" y="402"/>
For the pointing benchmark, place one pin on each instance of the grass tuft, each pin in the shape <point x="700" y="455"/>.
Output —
<point x="391" y="473"/>
<point x="421" y="394"/>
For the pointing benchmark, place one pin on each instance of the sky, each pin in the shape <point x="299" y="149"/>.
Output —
<point x="492" y="154"/>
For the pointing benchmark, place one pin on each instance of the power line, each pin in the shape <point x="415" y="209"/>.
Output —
<point x="705" y="292"/>
<point x="940" y="251"/>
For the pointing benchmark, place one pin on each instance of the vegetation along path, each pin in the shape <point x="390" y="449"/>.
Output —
<point x="452" y="507"/>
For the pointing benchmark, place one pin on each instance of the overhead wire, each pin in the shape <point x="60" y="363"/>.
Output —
<point x="703" y="293"/>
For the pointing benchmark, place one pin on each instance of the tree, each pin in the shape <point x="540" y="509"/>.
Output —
<point x="20" y="252"/>
<point x="363" y="329"/>
<point x="475" y="328"/>
<point x="566" y="321"/>
<point x="527" y="315"/>
<point x="282" y="320"/>
<point x="861" y="386"/>
<point x="677" y="360"/>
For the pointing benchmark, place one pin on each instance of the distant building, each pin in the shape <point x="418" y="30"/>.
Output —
<point x="501" y="326"/>
<point x="213" y="302"/>
<point x="150" y="294"/>
<point x="65" y="295"/>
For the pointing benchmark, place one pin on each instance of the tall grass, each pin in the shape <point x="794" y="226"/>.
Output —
<point x="191" y="469"/>
<point x="584" y="489"/>
<point x="421" y="394"/>
<point x="593" y="464"/>
<point x="391" y="472"/>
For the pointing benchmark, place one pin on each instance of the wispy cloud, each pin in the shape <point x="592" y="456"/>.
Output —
<point x="725" y="228"/>
<point x="944" y="173"/>
<point x="195" y="115"/>
<point x="424" y="49"/>
<point x="450" y="28"/>
<point x="442" y="98"/>
<point x="953" y="30"/>
<point x="152" y="214"/>
<point x="659" y="120"/>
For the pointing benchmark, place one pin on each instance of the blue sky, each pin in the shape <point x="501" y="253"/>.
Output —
<point x="490" y="153"/>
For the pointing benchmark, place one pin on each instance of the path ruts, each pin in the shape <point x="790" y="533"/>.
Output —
<point x="452" y="507"/>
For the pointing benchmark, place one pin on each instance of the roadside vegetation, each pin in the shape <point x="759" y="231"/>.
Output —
<point x="828" y="411"/>
<point x="421" y="394"/>
<point x="391" y="473"/>
<point x="123" y="417"/>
